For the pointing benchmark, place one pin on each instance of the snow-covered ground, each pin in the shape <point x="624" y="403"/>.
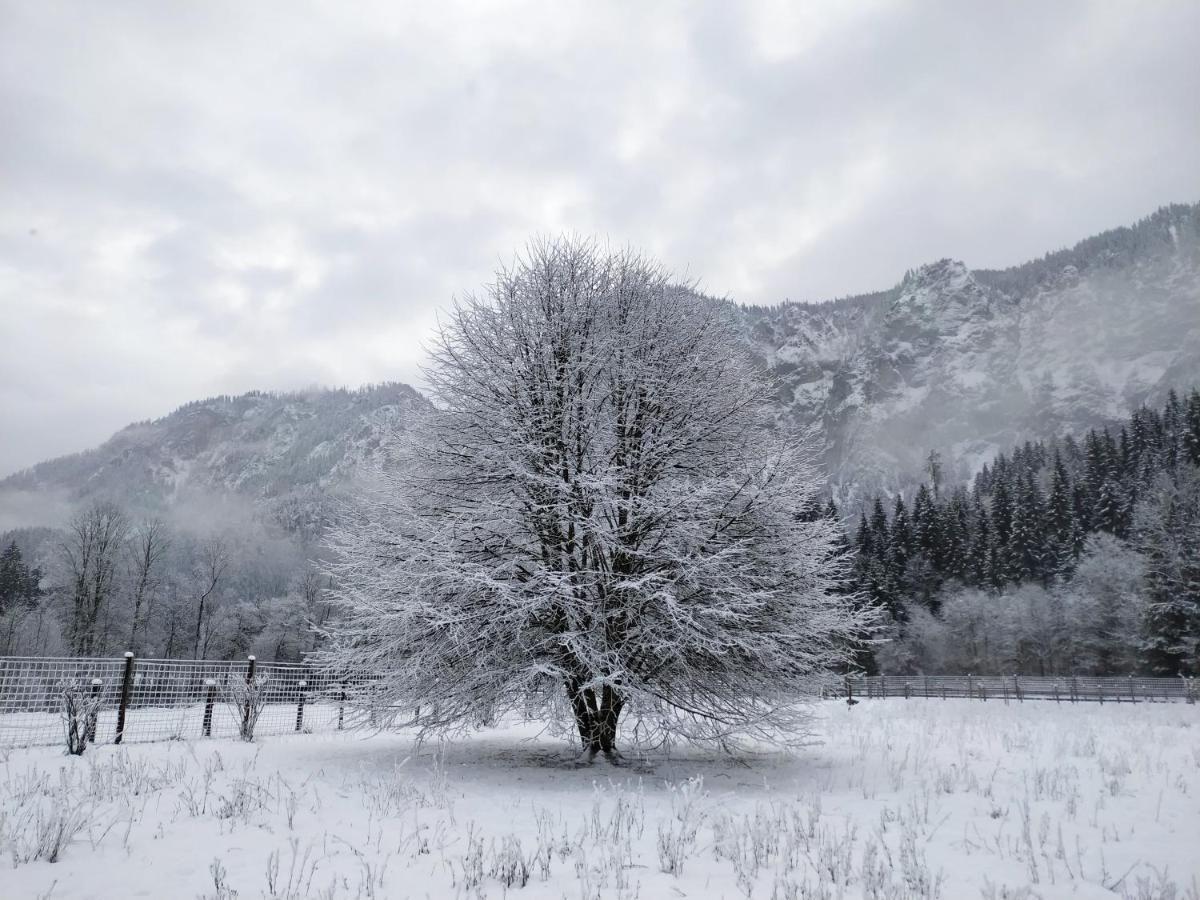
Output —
<point x="920" y="798"/>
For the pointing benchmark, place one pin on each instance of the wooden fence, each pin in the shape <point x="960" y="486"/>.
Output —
<point x="1059" y="688"/>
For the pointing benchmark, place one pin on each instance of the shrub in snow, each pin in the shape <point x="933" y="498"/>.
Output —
<point x="247" y="699"/>
<point x="80" y="708"/>
<point x="601" y="522"/>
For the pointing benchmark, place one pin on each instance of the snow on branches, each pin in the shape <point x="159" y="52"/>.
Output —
<point x="601" y="522"/>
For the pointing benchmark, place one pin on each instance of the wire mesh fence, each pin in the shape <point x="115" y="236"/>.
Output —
<point x="158" y="699"/>
<point x="1060" y="688"/>
<point x="169" y="699"/>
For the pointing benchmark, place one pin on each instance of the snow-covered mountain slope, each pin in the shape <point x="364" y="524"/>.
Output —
<point x="967" y="363"/>
<point x="283" y="452"/>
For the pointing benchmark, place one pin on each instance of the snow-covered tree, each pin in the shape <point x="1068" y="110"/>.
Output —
<point x="1169" y="536"/>
<point x="1105" y="595"/>
<point x="600" y="523"/>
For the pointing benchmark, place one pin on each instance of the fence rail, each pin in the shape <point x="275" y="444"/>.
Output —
<point x="1060" y="688"/>
<point x="158" y="699"/>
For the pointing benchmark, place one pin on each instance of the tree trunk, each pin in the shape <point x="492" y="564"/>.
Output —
<point x="597" y="722"/>
<point x="610" y="714"/>
<point x="199" y="624"/>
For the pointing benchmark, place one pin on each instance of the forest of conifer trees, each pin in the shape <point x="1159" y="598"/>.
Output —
<point x="1073" y="556"/>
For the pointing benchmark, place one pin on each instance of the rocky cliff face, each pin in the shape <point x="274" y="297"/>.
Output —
<point x="967" y="363"/>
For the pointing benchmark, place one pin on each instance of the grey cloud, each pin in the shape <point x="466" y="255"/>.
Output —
<point x="232" y="196"/>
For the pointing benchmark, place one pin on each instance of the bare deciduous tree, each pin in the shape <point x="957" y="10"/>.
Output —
<point x="146" y="549"/>
<point x="601" y="523"/>
<point x="91" y="551"/>
<point x="213" y="560"/>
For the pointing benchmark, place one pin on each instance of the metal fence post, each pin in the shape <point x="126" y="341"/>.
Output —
<point x="126" y="688"/>
<point x="1017" y="688"/>
<point x="341" y="707"/>
<point x="300" y="706"/>
<point x="209" y="700"/>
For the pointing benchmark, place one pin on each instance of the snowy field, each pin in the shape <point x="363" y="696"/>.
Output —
<point x="920" y="798"/>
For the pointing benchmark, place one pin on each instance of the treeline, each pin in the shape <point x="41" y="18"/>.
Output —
<point x="107" y="583"/>
<point x="1069" y="556"/>
<point x="1159" y="234"/>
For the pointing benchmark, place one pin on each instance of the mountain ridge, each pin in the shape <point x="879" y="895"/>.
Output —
<point x="284" y="450"/>
<point x="966" y="362"/>
<point x="958" y="361"/>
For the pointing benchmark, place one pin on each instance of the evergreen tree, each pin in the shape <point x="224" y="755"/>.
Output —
<point x="1027" y="542"/>
<point x="900" y="543"/>
<point x="1190" y="442"/>
<point x="865" y="539"/>
<point x="19" y="584"/>
<point x="1002" y="512"/>
<point x="1081" y="508"/>
<point x="1064" y="542"/>
<point x="1173" y="429"/>
<point x="1168" y="525"/>
<point x="983" y="481"/>
<point x="997" y="570"/>
<point x="1110" y="511"/>
<point x="831" y="511"/>
<point x="880" y="530"/>
<point x="933" y="465"/>
<point x="926" y="525"/>
<point x="1096" y="465"/>
<point x="955" y="536"/>
<point x="979" y="572"/>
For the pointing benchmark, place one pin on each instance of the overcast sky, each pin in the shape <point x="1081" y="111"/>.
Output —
<point x="204" y="198"/>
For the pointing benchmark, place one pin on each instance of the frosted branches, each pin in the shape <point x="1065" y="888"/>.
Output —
<point x="601" y="519"/>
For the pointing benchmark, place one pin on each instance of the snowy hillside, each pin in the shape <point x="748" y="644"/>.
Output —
<point x="967" y="363"/>
<point x="281" y="450"/>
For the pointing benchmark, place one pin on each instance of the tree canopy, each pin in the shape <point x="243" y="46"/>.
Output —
<point x="600" y="522"/>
